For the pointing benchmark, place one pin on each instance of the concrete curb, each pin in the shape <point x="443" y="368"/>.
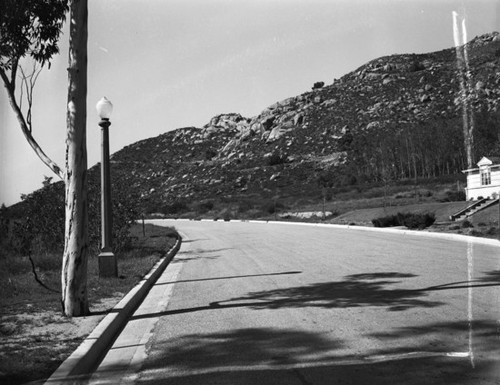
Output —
<point x="77" y="368"/>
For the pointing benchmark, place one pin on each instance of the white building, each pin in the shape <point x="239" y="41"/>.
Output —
<point x="483" y="181"/>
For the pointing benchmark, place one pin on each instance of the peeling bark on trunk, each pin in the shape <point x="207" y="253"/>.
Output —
<point x="74" y="269"/>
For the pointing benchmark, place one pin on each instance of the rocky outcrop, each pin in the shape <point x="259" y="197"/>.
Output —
<point x="292" y="140"/>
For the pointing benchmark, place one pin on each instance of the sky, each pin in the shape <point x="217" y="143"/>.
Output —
<point x="167" y="64"/>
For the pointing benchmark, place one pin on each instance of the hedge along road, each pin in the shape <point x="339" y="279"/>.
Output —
<point x="256" y="303"/>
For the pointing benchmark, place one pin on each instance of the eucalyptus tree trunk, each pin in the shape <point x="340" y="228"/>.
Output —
<point x="74" y="268"/>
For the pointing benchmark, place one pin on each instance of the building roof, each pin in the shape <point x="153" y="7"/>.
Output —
<point x="492" y="161"/>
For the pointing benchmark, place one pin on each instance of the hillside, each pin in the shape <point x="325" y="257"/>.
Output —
<point x="395" y="121"/>
<point x="395" y="118"/>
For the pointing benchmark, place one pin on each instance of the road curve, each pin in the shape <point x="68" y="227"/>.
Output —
<point x="256" y="303"/>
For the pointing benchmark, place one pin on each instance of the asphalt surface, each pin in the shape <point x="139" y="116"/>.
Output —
<point x="252" y="303"/>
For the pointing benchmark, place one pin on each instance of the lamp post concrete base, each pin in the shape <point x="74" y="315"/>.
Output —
<point x="107" y="265"/>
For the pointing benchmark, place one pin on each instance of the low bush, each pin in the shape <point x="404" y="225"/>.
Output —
<point x="467" y="224"/>
<point x="272" y="207"/>
<point x="456" y="196"/>
<point x="419" y="221"/>
<point x="277" y="158"/>
<point x="210" y="153"/>
<point x="388" y="221"/>
<point x="176" y="207"/>
<point x="204" y="207"/>
<point x="492" y="231"/>
<point x="453" y="196"/>
<point x="416" y="66"/>
<point x="244" y="206"/>
<point x="225" y="215"/>
<point x="474" y="233"/>
<point x="410" y="220"/>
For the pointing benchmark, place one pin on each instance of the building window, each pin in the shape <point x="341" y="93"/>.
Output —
<point x="485" y="176"/>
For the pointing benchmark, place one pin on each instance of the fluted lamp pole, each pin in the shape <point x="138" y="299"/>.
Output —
<point x="107" y="259"/>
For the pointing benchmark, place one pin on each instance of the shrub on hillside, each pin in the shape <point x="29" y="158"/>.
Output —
<point x="176" y="207"/>
<point x="210" y="153"/>
<point x="455" y="196"/>
<point x="277" y="158"/>
<point x="387" y="221"/>
<point x="416" y="66"/>
<point x="492" y="231"/>
<point x="410" y="220"/>
<point x="452" y="196"/>
<point x="419" y="221"/>
<point x="273" y="207"/>
<point x="204" y="207"/>
<point x="40" y="226"/>
<point x="244" y="206"/>
<point x="467" y="224"/>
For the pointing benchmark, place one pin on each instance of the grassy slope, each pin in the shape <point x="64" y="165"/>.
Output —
<point x="36" y="338"/>
<point x="365" y="216"/>
<point x="441" y="210"/>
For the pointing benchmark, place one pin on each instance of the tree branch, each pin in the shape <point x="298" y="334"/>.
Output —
<point x="28" y="83"/>
<point x="25" y="129"/>
<point x="33" y="268"/>
<point x="13" y="73"/>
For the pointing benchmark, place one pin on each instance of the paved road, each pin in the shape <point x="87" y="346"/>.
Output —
<point x="246" y="303"/>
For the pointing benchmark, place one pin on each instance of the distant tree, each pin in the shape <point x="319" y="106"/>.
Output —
<point x="4" y="223"/>
<point x="318" y="85"/>
<point x="31" y="28"/>
<point x="487" y="140"/>
<point x="325" y="181"/>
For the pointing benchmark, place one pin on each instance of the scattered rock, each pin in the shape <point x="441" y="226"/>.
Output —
<point x="267" y="122"/>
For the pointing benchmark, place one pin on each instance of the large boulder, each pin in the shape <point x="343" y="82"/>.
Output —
<point x="267" y="122"/>
<point x="224" y="122"/>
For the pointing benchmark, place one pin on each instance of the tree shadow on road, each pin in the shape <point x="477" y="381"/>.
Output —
<point x="194" y="240"/>
<point x="415" y="371"/>
<point x="241" y="347"/>
<point x="197" y="254"/>
<point x="414" y="354"/>
<point x="491" y="278"/>
<point x="367" y="289"/>
<point x="479" y="336"/>
<point x="229" y="277"/>
<point x="371" y="289"/>
<point x="194" y="258"/>
<point x="472" y="344"/>
<point x="386" y="275"/>
<point x="276" y="356"/>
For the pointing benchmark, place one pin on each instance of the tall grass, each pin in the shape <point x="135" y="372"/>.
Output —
<point x="17" y="282"/>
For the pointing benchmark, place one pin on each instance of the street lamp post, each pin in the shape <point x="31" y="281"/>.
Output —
<point x="107" y="260"/>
